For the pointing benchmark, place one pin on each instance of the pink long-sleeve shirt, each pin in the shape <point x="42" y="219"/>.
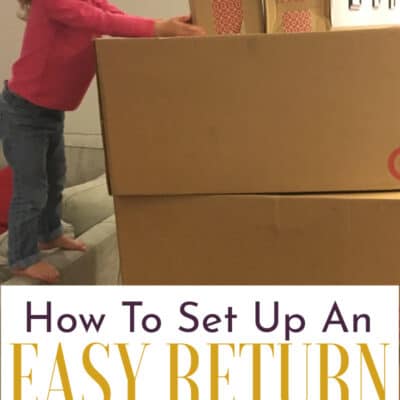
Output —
<point x="57" y="60"/>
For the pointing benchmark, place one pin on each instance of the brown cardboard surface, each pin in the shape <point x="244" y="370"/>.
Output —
<point x="252" y="113"/>
<point x="338" y="239"/>
<point x="215" y="16"/>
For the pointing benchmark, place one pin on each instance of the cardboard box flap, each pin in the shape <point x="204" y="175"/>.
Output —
<point x="251" y="114"/>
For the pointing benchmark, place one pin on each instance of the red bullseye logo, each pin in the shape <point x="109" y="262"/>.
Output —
<point x="394" y="163"/>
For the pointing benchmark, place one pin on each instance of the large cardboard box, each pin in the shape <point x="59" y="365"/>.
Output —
<point x="260" y="239"/>
<point x="252" y="114"/>
<point x="220" y="17"/>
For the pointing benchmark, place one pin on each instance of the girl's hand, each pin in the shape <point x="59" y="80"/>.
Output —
<point x="178" y="26"/>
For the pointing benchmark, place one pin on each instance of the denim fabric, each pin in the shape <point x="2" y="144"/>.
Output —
<point x="3" y="111"/>
<point x="33" y="145"/>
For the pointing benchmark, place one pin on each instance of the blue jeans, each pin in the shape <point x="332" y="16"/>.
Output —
<point x="33" y="145"/>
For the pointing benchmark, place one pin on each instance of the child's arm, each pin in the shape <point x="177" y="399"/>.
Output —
<point x="80" y="14"/>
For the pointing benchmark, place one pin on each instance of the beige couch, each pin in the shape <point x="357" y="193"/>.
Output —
<point x="89" y="212"/>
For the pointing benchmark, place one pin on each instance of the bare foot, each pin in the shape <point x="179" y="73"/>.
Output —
<point x="41" y="270"/>
<point x="63" y="242"/>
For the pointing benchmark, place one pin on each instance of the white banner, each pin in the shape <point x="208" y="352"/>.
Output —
<point x="199" y="342"/>
<point x="359" y="13"/>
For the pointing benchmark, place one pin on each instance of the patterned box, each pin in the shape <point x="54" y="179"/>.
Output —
<point x="224" y="17"/>
<point x="291" y="16"/>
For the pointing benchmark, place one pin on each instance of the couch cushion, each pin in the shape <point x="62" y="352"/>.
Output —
<point x="3" y="248"/>
<point x="5" y="196"/>
<point x="98" y="265"/>
<point x="67" y="228"/>
<point x="83" y="206"/>
<point x="87" y="204"/>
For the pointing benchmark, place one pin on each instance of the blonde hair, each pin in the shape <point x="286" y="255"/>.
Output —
<point x="24" y="6"/>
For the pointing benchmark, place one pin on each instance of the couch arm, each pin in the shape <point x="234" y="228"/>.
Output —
<point x="98" y="265"/>
<point x="87" y="204"/>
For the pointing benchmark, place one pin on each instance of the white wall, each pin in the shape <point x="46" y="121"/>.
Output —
<point x="86" y="118"/>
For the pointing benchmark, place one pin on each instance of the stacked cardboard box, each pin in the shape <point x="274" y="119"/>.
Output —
<point x="239" y="159"/>
<point x="221" y="17"/>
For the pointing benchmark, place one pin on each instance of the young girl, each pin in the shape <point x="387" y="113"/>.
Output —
<point x="52" y="74"/>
